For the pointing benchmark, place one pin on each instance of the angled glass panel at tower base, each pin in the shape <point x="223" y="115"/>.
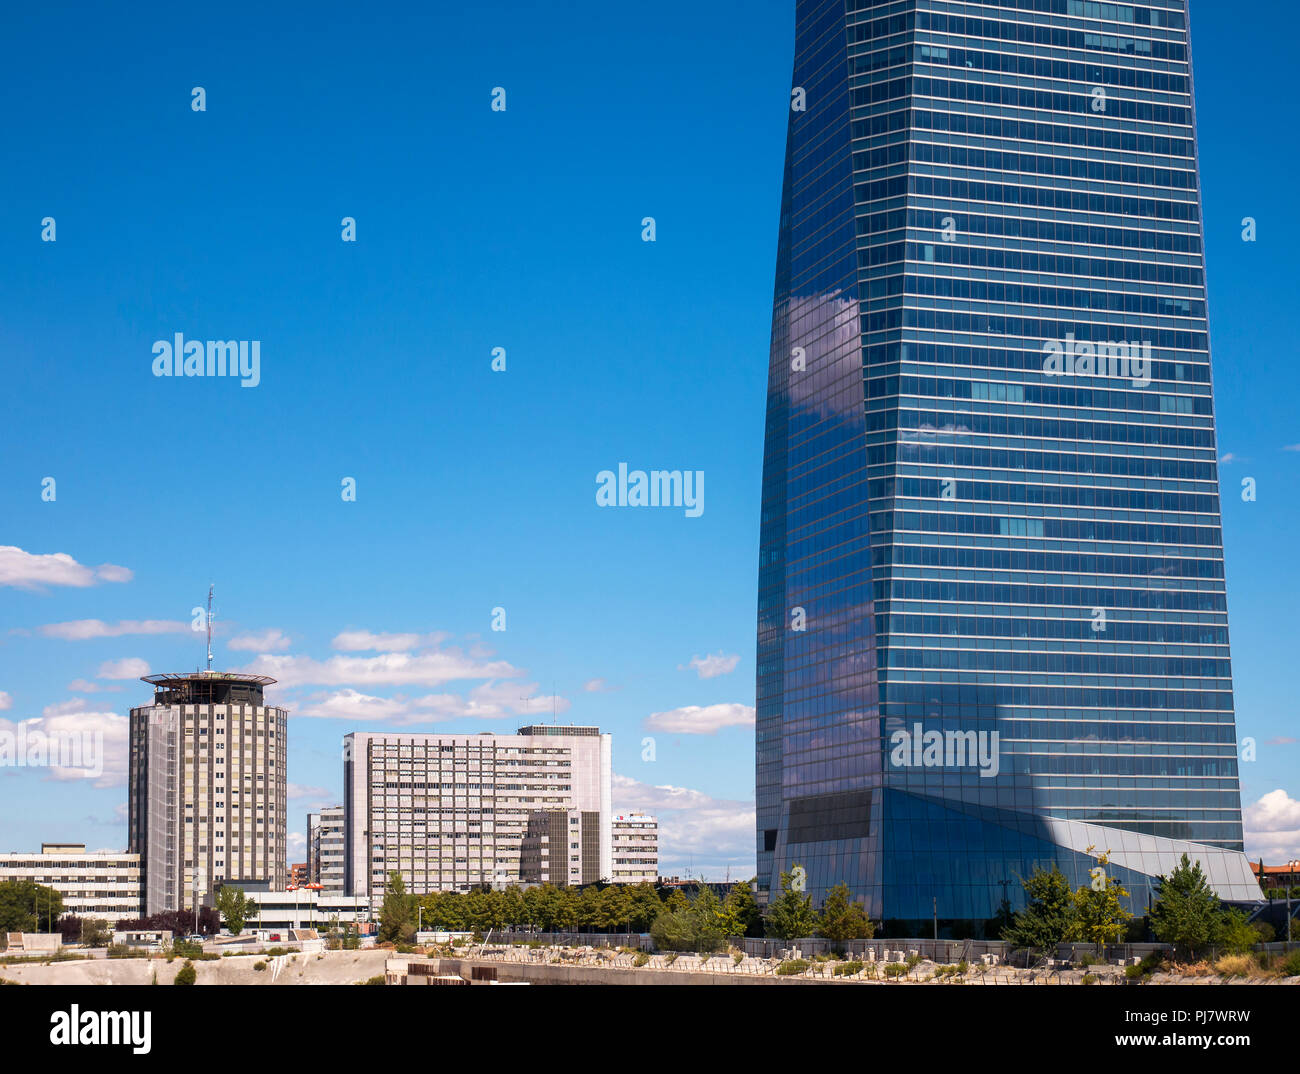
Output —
<point x="992" y="620"/>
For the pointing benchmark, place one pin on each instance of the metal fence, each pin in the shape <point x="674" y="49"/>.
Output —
<point x="942" y="951"/>
<point x="572" y="939"/>
<point x="946" y="952"/>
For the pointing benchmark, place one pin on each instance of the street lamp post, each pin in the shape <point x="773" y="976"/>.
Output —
<point x="1290" y="869"/>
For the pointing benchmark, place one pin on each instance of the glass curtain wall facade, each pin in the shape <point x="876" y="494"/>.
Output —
<point x="992" y="623"/>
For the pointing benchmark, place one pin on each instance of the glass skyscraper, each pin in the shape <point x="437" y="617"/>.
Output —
<point x="992" y="623"/>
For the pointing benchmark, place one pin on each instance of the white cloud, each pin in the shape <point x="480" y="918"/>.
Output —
<point x="1228" y="459"/>
<point x="696" y="831"/>
<point x="27" y="570"/>
<point x="354" y="641"/>
<point x="713" y="665"/>
<point x="62" y="708"/>
<point x="109" y="573"/>
<point x="85" y="686"/>
<point x="85" y="629"/>
<point x="352" y="705"/>
<point x="297" y="790"/>
<point x="295" y="846"/>
<point x="387" y="669"/>
<point x="701" y="720"/>
<point x="130" y="668"/>
<point x="598" y="686"/>
<point x="268" y="641"/>
<point x="6" y="702"/>
<point x="488" y="701"/>
<point x="1272" y="828"/>
<point x="91" y="745"/>
<point x="1274" y="812"/>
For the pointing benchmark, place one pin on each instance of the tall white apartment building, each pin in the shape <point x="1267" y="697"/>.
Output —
<point x="451" y="811"/>
<point x="101" y="884"/>
<point x="636" y="848"/>
<point x="325" y="849"/>
<point x="207" y="787"/>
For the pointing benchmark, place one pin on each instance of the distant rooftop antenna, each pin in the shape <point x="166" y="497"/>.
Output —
<point x="554" y="717"/>
<point x="210" y="587"/>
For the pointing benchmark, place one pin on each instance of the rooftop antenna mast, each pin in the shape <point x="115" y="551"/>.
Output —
<point x="210" y="627"/>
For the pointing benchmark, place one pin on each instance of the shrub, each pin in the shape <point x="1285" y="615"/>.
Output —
<point x="670" y="959"/>
<point x="377" y="980"/>
<point x="259" y="966"/>
<point x="738" y="957"/>
<point x="1234" y="934"/>
<point x="792" y="966"/>
<point x="1291" y="965"/>
<point x="187" y="974"/>
<point x="848" y="969"/>
<point x="1089" y="978"/>
<point x="1144" y="969"/>
<point x="896" y="969"/>
<point x="641" y="959"/>
<point x="1235" y="966"/>
<point x="120" y="950"/>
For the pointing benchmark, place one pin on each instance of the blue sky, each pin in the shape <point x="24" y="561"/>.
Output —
<point x="477" y="229"/>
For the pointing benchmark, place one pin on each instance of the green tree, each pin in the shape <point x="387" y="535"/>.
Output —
<point x="1099" y="915"/>
<point x="1049" y="914"/>
<point x="673" y="930"/>
<point x="513" y="907"/>
<point x="645" y="906"/>
<point x="187" y="975"/>
<point x="615" y="907"/>
<point x="482" y="910"/>
<point x="333" y="934"/>
<point x="234" y="907"/>
<point x="95" y="932"/>
<point x="546" y="908"/>
<point x="791" y="915"/>
<point x="28" y="907"/>
<point x="1186" y="911"/>
<point x="842" y="918"/>
<point x="740" y="911"/>
<point x="397" y="913"/>
<point x="707" y="920"/>
<point x="590" y="918"/>
<point x="444" y="910"/>
<point x="1233" y="933"/>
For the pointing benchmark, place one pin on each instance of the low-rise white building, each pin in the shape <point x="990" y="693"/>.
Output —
<point x="304" y="908"/>
<point x="100" y="884"/>
<point x="636" y="848"/>
<point x="325" y="832"/>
